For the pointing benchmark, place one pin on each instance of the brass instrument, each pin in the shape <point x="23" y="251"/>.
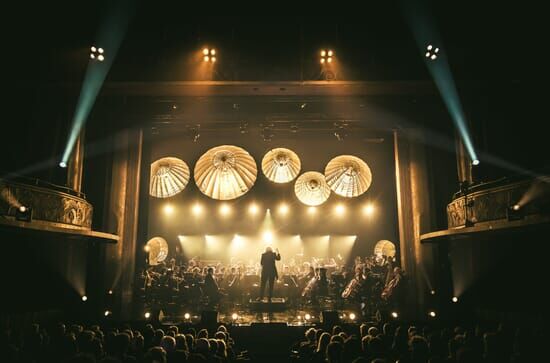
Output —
<point x="309" y="287"/>
<point x="388" y="289"/>
<point x="352" y="289"/>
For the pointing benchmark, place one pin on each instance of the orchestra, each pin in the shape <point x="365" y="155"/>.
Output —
<point x="371" y="281"/>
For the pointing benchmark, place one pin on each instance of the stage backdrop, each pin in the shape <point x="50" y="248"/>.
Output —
<point x="298" y="234"/>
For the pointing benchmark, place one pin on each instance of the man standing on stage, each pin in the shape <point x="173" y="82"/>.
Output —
<point x="269" y="271"/>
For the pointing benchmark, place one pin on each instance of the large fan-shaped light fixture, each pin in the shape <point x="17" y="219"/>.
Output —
<point x="311" y="188"/>
<point x="281" y="165"/>
<point x="348" y="176"/>
<point x="169" y="176"/>
<point x="384" y="248"/>
<point x="158" y="250"/>
<point x="225" y="172"/>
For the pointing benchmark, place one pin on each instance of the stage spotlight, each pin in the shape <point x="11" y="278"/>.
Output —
<point x="307" y="317"/>
<point x="196" y="209"/>
<point x="283" y="209"/>
<point x="253" y="209"/>
<point x="209" y="55"/>
<point x="234" y="316"/>
<point x="225" y="210"/>
<point x="23" y="213"/>
<point x="84" y="298"/>
<point x="514" y="213"/>
<point x="168" y="209"/>
<point x="368" y="210"/>
<point x="394" y="314"/>
<point x="97" y="53"/>
<point x="352" y="316"/>
<point x="432" y="292"/>
<point x="431" y="52"/>
<point x="432" y="314"/>
<point x="110" y="292"/>
<point x="326" y="56"/>
<point x="311" y="211"/>
<point x="146" y="248"/>
<point x="147" y="315"/>
<point x="62" y="164"/>
<point x="267" y="236"/>
<point x="340" y="210"/>
<point x="516" y="207"/>
<point x="107" y="313"/>
<point x="186" y="316"/>
<point x="454" y="299"/>
<point x="475" y="162"/>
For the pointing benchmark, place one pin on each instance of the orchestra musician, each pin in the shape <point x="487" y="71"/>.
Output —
<point x="269" y="271"/>
<point x="210" y="287"/>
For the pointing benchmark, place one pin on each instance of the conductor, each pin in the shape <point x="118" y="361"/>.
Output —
<point x="269" y="271"/>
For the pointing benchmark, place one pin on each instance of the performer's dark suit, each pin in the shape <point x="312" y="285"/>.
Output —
<point x="269" y="272"/>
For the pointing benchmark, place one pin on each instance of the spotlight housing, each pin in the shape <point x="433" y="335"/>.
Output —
<point x="454" y="299"/>
<point x="84" y="298"/>
<point x="475" y="162"/>
<point x="62" y="164"/>
<point x="431" y="52"/>
<point x="187" y="316"/>
<point x="147" y="315"/>
<point x="97" y="53"/>
<point x="327" y="56"/>
<point x="432" y="314"/>
<point x="107" y="313"/>
<point x="23" y="213"/>
<point x="394" y="314"/>
<point x="209" y="55"/>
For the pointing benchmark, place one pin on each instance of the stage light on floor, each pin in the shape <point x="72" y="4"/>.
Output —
<point x="475" y="162"/>
<point x="432" y="314"/>
<point x="454" y="299"/>
<point x="196" y="209"/>
<point x="84" y="298"/>
<point x="253" y="209"/>
<point x="168" y="209"/>
<point x="147" y="315"/>
<point x="394" y="314"/>
<point x="283" y="209"/>
<point x="323" y="53"/>
<point x="206" y="58"/>
<point x="234" y="316"/>
<point x="340" y="210"/>
<point x="329" y="60"/>
<point x="225" y="210"/>
<point x="62" y="164"/>
<point x="107" y="313"/>
<point x="100" y="58"/>
<point x="212" y="51"/>
<point x="352" y="316"/>
<point x="187" y="316"/>
<point x="368" y="209"/>
<point x="307" y="317"/>
<point x="311" y="211"/>
<point x="205" y="51"/>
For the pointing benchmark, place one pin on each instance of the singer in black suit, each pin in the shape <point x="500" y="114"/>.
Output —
<point x="269" y="271"/>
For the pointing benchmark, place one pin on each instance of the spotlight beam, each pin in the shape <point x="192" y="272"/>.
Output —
<point x="425" y="33"/>
<point x="110" y="37"/>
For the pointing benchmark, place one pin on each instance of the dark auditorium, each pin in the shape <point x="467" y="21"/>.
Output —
<point x="369" y="187"/>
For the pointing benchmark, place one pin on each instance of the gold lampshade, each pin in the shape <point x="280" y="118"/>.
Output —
<point x="225" y="172"/>
<point x="311" y="188"/>
<point x="281" y="165"/>
<point x="384" y="248"/>
<point x="169" y="176"/>
<point x="348" y="176"/>
<point x="158" y="250"/>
